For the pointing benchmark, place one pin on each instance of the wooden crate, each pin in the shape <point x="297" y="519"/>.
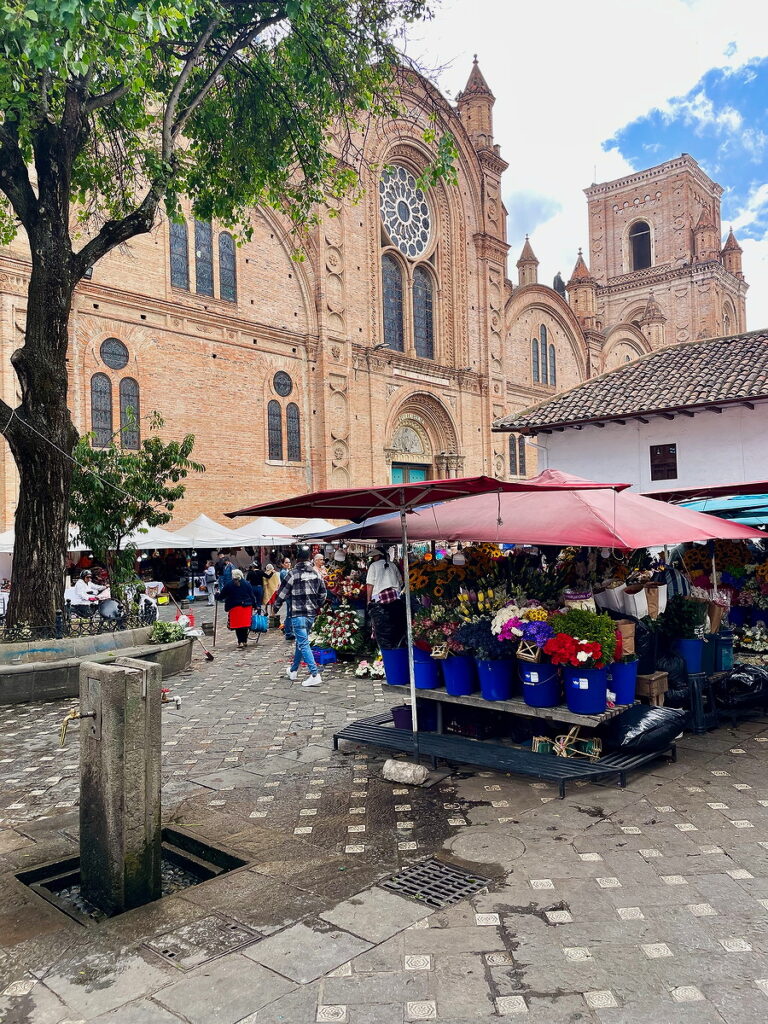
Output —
<point x="653" y="687"/>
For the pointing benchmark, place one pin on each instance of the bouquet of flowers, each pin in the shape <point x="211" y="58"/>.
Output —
<point x="563" y="649"/>
<point x="581" y="638"/>
<point x="337" y="629"/>
<point x="478" y="638"/>
<point x="370" y="669"/>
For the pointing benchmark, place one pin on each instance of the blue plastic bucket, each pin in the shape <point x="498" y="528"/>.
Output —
<point x="737" y="616"/>
<point x="460" y="675"/>
<point x="495" y="678"/>
<point x="692" y="653"/>
<point x="586" y="690"/>
<point x="541" y="684"/>
<point x="622" y="681"/>
<point x="419" y="655"/>
<point x="396" y="666"/>
<point x="724" y="651"/>
<point x="427" y="674"/>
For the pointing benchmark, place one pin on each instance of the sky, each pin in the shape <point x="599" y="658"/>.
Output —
<point x="590" y="91"/>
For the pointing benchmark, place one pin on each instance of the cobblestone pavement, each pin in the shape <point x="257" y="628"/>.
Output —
<point x="642" y="906"/>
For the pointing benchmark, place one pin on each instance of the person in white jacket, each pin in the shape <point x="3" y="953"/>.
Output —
<point x="84" y="594"/>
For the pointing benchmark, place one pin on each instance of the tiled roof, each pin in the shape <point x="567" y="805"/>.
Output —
<point x="691" y="375"/>
<point x="476" y="83"/>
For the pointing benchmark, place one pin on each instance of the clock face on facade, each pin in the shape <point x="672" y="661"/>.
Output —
<point x="404" y="211"/>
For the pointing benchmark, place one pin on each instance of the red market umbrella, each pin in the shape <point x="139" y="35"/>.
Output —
<point x="569" y="515"/>
<point x="358" y="503"/>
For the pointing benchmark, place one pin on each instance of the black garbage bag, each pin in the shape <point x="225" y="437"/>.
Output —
<point x="641" y="730"/>
<point x="741" y="685"/>
<point x="388" y="622"/>
<point x="675" y="668"/>
<point x="678" y="698"/>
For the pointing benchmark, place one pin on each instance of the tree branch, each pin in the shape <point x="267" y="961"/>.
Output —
<point x="181" y="81"/>
<point x="14" y="179"/>
<point x="107" y="98"/>
<point x="115" y="232"/>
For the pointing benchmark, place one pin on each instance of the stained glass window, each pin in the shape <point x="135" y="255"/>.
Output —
<point x="392" y="288"/>
<point x="423" y="314"/>
<point x="129" y="412"/>
<point x="203" y="257"/>
<point x="275" y="431"/>
<point x="552" y="366"/>
<point x="293" y="432"/>
<point x="282" y="383"/>
<point x="521" y="456"/>
<point x="227" y="268"/>
<point x="543" y="348"/>
<point x="404" y="211"/>
<point x="535" y="360"/>
<point x="179" y="255"/>
<point x="512" y="455"/>
<point x="113" y="354"/>
<point x="101" y="409"/>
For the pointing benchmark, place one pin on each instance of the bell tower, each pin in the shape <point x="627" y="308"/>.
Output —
<point x="659" y="230"/>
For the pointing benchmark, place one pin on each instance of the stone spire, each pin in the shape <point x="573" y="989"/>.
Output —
<point x="731" y="255"/>
<point x="706" y="237"/>
<point x="475" y="106"/>
<point x="581" y="273"/>
<point x="527" y="265"/>
<point x="652" y="312"/>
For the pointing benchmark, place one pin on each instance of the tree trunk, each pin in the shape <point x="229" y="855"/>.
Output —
<point x="41" y="436"/>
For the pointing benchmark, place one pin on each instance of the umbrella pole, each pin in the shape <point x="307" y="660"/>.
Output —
<point x="409" y="631"/>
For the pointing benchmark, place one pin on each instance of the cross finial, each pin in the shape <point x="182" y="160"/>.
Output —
<point x="474" y="59"/>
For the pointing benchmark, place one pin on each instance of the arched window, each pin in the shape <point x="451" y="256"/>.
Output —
<point x="203" y="257"/>
<point x="640" y="245"/>
<point x="129" y="412"/>
<point x="179" y="255"/>
<point x="729" y="320"/>
<point x="392" y="291"/>
<point x="535" y="360"/>
<point x="543" y="357"/>
<point x="512" y="455"/>
<point x="521" y="456"/>
<point x="227" y="268"/>
<point x="423" y="314"/>
<point x="275" y="431"/>
<point x="293" y="432"/>
<point x="552" y="366"/>
<point x="101" y="409"/>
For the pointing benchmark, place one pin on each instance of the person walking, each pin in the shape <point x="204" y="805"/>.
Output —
<point x="306" y="591"/>
<point x="255" y="577"/>
<point x="271" y="586"/>
<point x="239" y="602"/>
<point x="210" y="581"/>
<point x="285" y="611"/>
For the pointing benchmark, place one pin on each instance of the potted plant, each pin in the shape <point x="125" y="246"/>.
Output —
<point x="494" y="657"/>
<point x="682" y="624"/>
<point x="584" y="642"/>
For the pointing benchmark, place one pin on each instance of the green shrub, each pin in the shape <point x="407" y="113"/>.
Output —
<point x="166" y="633"/>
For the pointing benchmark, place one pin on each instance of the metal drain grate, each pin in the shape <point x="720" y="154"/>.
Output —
<point x="435" y="883"/>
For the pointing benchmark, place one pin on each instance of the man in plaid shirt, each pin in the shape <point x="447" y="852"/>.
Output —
<point x="306" y="593"/>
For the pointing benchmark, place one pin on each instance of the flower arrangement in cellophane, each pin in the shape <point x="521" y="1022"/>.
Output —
<point x="370" y="669"/>
<point x="337" y="629"/>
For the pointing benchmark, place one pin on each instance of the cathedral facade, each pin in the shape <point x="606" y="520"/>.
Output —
<point x="387" y="352"/>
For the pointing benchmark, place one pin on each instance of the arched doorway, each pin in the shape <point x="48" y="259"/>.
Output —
<point x="423" y="444"/>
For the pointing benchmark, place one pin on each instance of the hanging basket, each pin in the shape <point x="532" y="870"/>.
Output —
<point x="528" y="651"/>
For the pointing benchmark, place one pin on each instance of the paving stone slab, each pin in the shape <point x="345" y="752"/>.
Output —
<point x="224" y="991"/>
<point x="306" y="951"/>
<point x="140" y="1011"/>
<point x="98" y="982"/>
<point x="375" y="914"/>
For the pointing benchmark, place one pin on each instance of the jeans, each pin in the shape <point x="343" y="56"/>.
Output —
<point x="300" y="627"/>
<point x="258" y="594"/>
<point x="211" y="588"/>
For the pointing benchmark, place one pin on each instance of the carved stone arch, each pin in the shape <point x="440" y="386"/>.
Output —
<point x="424" y="418"/>
<point x="625" y="343"/>
<point x="538" y="297"/>
<point x="305" y="272"/>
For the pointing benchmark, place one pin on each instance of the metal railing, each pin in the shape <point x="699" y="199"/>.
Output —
<point x="69" y="623"/>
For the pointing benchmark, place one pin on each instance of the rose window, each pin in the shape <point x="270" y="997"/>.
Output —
<point x="405" y="211"/>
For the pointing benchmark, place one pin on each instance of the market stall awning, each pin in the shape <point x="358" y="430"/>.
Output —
<point x="204" y="532"/>
<point x="264" y="532"/>
<point x="751" y="509"/>
<point x="709" y="491"/>
<point x="358" y="503"/>
<point x="566" y="516"/>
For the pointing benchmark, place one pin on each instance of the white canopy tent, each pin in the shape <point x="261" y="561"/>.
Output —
<point x="264" y="533"/>
<point x="203" y="532"/>
<point x="312" y="528"/>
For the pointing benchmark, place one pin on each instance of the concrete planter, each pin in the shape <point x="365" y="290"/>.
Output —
<point x="50" y="670"/>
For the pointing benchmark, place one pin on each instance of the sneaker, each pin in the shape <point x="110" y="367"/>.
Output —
<point x="313" y="680"/>
<point x="292" y="675"/>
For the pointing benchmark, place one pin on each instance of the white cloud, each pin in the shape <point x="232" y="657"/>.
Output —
<point x="568" y="76"/>
<point x="755" y="206"/>
<point x="700" y="113"/>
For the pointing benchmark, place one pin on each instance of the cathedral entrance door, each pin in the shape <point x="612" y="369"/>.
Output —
<point x="408" y="473"/>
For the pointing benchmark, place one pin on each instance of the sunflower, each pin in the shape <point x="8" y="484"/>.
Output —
<point x="438" y="591"/>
